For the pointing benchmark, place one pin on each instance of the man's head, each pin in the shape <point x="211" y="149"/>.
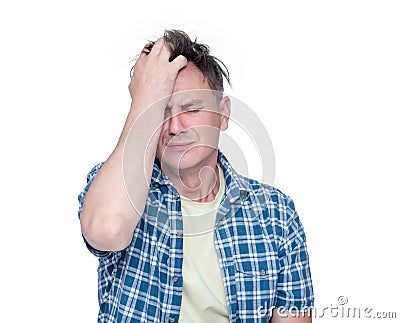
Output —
<point x="196" y="111"/>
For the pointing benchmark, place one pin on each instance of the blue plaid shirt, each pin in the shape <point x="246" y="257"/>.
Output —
<point x="259" y="240"/>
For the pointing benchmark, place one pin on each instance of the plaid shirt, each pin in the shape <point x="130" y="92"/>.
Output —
<point x="259" y="240"/>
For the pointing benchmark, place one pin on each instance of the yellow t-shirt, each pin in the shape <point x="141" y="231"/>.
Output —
<point x="203" y="297"/>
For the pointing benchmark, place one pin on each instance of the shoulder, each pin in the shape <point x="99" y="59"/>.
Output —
<point x="257" y="196"/>
<point x="275" y="203"/>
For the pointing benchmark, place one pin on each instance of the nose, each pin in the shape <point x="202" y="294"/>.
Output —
<point x="175" y="123"/>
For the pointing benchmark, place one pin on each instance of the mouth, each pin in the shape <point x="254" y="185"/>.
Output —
<point x="179" y="146"/>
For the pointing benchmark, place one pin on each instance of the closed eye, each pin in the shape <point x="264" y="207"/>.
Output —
<point x="192" y="110"/>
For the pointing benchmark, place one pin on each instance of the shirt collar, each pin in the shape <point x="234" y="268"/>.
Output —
<point x="237" y="186"/>
<point x="158" y="176"/>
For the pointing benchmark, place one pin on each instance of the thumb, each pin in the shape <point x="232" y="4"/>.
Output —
<point x="179" y="62"/>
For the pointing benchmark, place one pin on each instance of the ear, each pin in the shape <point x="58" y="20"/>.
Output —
<point x="225" y="111"/>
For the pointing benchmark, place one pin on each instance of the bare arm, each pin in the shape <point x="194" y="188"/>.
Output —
<point x="279" y="316"/>
<point x="109" y="215"/>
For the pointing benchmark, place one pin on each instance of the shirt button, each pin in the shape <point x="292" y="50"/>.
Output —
<point x="172" y="319"/>
<point x="262" y="272"/>
<point x="179" y="235"/>
<point x="175" y="279"/>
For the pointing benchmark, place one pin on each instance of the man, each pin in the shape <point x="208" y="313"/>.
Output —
<point x="179" y="234"/>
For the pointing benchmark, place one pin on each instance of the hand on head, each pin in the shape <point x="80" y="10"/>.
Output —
<point x="154" y="75"/>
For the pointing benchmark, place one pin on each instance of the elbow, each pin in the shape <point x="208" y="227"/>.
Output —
<point x="106" y="233"/>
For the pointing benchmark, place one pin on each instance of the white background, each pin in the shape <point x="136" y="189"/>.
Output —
<point x="324" y="77"/>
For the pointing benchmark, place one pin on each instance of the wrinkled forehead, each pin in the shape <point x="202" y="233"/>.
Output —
<point x="203" y="98"/>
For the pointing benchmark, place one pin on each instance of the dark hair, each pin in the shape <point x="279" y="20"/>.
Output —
<point x="213" y="69"/>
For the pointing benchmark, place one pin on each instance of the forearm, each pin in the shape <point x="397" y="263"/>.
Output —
<point x="117" y="196"/>
<point x="279" y="316"/>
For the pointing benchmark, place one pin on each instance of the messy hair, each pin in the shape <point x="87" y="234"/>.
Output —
<point x="212" y="68"/>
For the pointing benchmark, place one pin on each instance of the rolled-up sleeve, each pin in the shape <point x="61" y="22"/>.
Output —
<point x="81" y="198"/>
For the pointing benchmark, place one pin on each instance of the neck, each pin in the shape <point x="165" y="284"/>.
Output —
<point x="199" y="183"/>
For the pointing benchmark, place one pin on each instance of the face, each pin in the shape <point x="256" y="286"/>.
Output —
<point x="193" y="119"/>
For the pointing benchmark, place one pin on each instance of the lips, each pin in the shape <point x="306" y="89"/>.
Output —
<point x="179" y="145"/>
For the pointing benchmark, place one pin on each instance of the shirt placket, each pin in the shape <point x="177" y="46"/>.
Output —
<point x="175" y="281"/>
<point x="223" y="234"/>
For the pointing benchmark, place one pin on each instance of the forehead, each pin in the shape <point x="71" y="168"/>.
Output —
<point x="190" y="99"/>
<point x="190" y="78"/>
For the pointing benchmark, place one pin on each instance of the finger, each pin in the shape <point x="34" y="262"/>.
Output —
<point x="138" y="61"/>
<point x="164" y="53"/>
<point x="179" y="62"/>
<point x="145" y="51"/>
<point x="158" y="46"/>
<point x="142" y="54"/>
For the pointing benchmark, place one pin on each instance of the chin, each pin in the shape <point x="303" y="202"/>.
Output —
<point x="187" y="159"/>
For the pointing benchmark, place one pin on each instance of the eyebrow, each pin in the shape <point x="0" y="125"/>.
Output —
<point x="190" y="103"/>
